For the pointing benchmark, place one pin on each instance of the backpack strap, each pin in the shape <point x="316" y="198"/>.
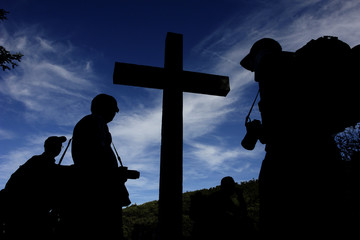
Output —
<point x="248" y="116"/>
<point x="65" y="151"/>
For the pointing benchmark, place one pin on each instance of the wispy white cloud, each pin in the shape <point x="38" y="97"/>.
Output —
<point x="202" y="114"/>
<point x="221" y="157"/>
<point x="136" y="132"/>
<point x="43" y="83"/>
<point x="140" y="126"/>
<point x="6" y="134"/>
<point x="46" y="45"/>
<point x="292" y="23"/>
<point x="213" y="156"/>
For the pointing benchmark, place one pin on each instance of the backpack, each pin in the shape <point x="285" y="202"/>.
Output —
<point x="325" y="71"/>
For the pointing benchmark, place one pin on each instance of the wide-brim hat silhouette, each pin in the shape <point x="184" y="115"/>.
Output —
<point x="248" y="62"/>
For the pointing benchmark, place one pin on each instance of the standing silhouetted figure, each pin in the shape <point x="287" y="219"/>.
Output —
<point x="306" y="97"/>
<point x="221" y="215"/>
<point x="230" y="216"/>
<point x="96" y="208"/>
<point x="31" y="193"/>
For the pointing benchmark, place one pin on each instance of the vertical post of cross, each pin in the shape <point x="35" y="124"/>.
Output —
<point x="174" y="81"/>
<point x="171" y="159"/>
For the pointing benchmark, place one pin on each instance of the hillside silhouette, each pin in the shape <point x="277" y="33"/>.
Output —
<point x="140" y="221"/>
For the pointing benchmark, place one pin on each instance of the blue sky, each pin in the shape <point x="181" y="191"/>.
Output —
<point x="69" y="52"/>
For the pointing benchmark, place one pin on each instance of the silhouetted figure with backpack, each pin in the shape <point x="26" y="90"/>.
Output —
<point x="31" y="194"/>
<point x="95" y="210"/>
<point x="306" y="97"/>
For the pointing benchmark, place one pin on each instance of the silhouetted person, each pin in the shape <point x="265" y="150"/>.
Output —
<point x="31" y="194"/>
<point x="230" y="212"/>
<point x="222" y="215"/>
<point x="299" y="116"/>
<point x="96" y="211"/>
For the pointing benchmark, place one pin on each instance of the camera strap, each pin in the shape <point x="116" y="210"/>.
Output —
<point x="118" y="157"/>
<point x="63" y="155"/>
<point x="248" y="116"/>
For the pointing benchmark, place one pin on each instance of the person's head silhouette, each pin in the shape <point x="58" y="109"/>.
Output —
<point x="105" y="106"/>
<point x="227" y="185"/>
<point x="53" y="145"/>
<point x="260" y="48"/>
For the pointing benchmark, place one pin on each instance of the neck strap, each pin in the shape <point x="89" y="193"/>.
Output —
<point x="248" y="116"/>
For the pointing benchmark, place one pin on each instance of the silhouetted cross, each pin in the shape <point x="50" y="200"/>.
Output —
<point x="174" y="81"/>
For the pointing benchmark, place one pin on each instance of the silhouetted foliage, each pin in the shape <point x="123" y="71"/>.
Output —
<point x="3" y="14"/>
<point x="348" y="141"/>
<point x="6" y="57"/>
<point x="140" y="221"/>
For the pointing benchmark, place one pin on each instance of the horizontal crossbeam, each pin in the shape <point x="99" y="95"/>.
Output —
<point x="160" y="78"/>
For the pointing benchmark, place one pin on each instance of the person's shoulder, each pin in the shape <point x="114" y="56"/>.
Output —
<point x="38" y="161"/>
<point x="34" y="160"/>
<point x="88" y="120"/>
<point x="91" y="119"/>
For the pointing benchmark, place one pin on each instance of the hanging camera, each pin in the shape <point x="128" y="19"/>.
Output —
<point x="253" y="130"/>
<point x="129" y="174"/>
<point x="253" y="133"/>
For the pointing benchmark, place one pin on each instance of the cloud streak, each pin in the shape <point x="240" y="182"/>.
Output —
<point x="291" y="23"/>
<point x="42" y="82"/>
